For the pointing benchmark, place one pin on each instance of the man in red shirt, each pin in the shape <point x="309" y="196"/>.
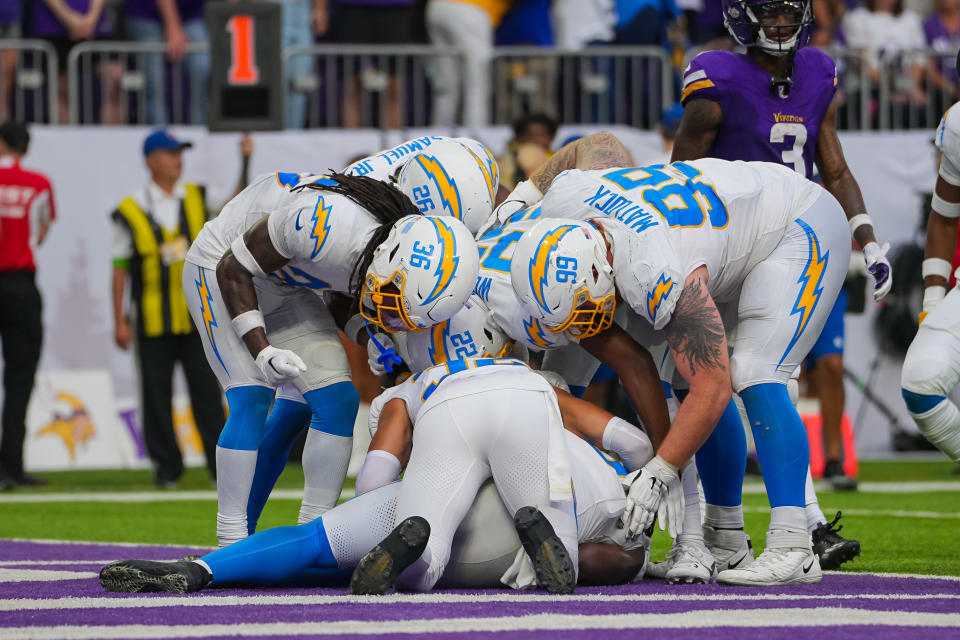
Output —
<point x="26" y="211"/>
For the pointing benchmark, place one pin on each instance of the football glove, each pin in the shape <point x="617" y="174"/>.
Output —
<point x="381" y="353"/>
<point x="279" y="365"/>
<point x="879" y="268"/>
<point x="645" y="492"/>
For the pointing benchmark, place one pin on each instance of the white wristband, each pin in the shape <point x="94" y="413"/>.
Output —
<point x="859" y="220"/>
<point x="933" y="295"/>
<point x="527" y="192"/>
<point x="936" y="267"/>
<point x="242" y="253"/>
<point x="247" y="321"/>
<point x="944" y="208"/>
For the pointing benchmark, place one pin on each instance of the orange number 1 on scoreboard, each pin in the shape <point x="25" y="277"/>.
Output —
<point x="243" y="68"/>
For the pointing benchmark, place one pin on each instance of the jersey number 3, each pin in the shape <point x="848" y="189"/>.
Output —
<point x="794" y="156"/>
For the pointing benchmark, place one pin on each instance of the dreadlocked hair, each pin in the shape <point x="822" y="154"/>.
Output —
<point x="383" y="201"/>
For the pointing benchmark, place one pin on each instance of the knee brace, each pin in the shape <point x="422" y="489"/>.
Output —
<point x="334" y="408"/>
<point x="246" y="423"/>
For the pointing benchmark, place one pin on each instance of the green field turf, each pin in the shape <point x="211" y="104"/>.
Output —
<point x="891" y="542"/>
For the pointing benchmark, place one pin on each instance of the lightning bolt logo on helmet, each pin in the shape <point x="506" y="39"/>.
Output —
<point x="446" y="185"/>
<point x="438" y="342"/>
<point x="540" y="263"/>
<point x="320" y="230"/>
<point x="449" y="260"/>
<point x="490" y="171"/>
<point x="656" y="297"/>
<point x="811" y="285"/>
<point x="536" y="333"/>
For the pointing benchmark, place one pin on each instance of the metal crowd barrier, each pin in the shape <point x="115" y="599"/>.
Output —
<point x="884" y="92"/>
<point x="28" y="81"/>
<point x="374" y="86"/>
<point x="364" y="85"/>
<point x="135" y="83"/>
<point x="599" y="85"/>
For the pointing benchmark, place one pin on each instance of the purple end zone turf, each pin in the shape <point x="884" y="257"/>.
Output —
<point x="936" y="596"/>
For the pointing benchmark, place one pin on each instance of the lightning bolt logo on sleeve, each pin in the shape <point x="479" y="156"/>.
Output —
<point x="206" y="312"/>
<point x="449" y="260"/>
<point x="320" y="230"/>
<point x="660" y="292"/>
<point x="540" y="263"/>
<point x="535" y="333"/>
<point x="446" y="186"/>
<point x="810" y="281"/>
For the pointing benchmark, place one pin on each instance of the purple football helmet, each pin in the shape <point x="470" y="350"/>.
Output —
<point x="788" y="22"/>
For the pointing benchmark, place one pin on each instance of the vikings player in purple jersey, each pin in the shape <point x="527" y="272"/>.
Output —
<point x="775" y="103"/>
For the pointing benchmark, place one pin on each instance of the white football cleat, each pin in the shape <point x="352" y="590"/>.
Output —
<point x="777" y="566"/>
<point x="686" y="563"/>
<point x="731" y="548"/>
<point x="692" y="564"/>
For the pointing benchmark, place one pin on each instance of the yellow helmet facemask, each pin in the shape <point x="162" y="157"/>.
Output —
<point x="588" y="316"/>
<point x="382" y="303"/>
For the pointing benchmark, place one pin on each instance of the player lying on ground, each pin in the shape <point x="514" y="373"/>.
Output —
<point x="486" y="545"/>
<point x="931" y="368"/>
<point x="675" y="243"/>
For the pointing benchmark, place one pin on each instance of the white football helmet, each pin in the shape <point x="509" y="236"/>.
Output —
<point x="451" y="179"/>
<point x="561" y="274"/>
<point x="470" y="333"/>
<point x="420" y="275"/>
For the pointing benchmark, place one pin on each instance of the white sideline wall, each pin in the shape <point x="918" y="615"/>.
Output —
<point x="92" y="168"/>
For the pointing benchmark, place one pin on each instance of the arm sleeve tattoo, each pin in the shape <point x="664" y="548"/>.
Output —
<point x="696" y="332"/>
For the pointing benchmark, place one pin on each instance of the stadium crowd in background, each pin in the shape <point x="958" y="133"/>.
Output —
<point x="889" y="34"/>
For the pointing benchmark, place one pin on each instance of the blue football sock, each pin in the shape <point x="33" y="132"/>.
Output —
<point x="286" y="422"/>
<point x="334" y="408"/>
<point x="781" y="440"/>
<point x="722" y="460"/>
<point x="246" y="423"/>
<point x="273" y="555"/>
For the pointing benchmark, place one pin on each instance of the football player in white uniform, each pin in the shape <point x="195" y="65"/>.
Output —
<point x="486" y="548"/>
<point x="458" y="177"/>
<point x="455" y="177"/>
<point x="682" y="244"/>
<point x="931" y="368"/>
<point x="261" y="264"/>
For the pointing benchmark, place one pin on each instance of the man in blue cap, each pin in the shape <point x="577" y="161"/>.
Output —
<point x="153" y="228"/>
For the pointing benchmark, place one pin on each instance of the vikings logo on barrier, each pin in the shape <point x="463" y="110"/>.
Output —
<point x="73" y="427"/>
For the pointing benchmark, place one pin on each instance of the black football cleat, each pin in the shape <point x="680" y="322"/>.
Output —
<point x="831" y="548"/>
<point x="140" y="576"/>
<point x="379" y="569"/>
<point x="551" y="562"/>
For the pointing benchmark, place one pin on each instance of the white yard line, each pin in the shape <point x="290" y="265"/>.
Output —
<point x="42" y="575"/>
<point x="144" y="496"/>
<point x="752" y="488"/>
<point x="752" y="618"/>
<point x="39" y="604"/>
<point x="880" y="513"/>
<point x="939" y="486"/>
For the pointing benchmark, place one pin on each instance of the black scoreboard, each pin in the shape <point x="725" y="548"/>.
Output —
<point x="246" y="66"/>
